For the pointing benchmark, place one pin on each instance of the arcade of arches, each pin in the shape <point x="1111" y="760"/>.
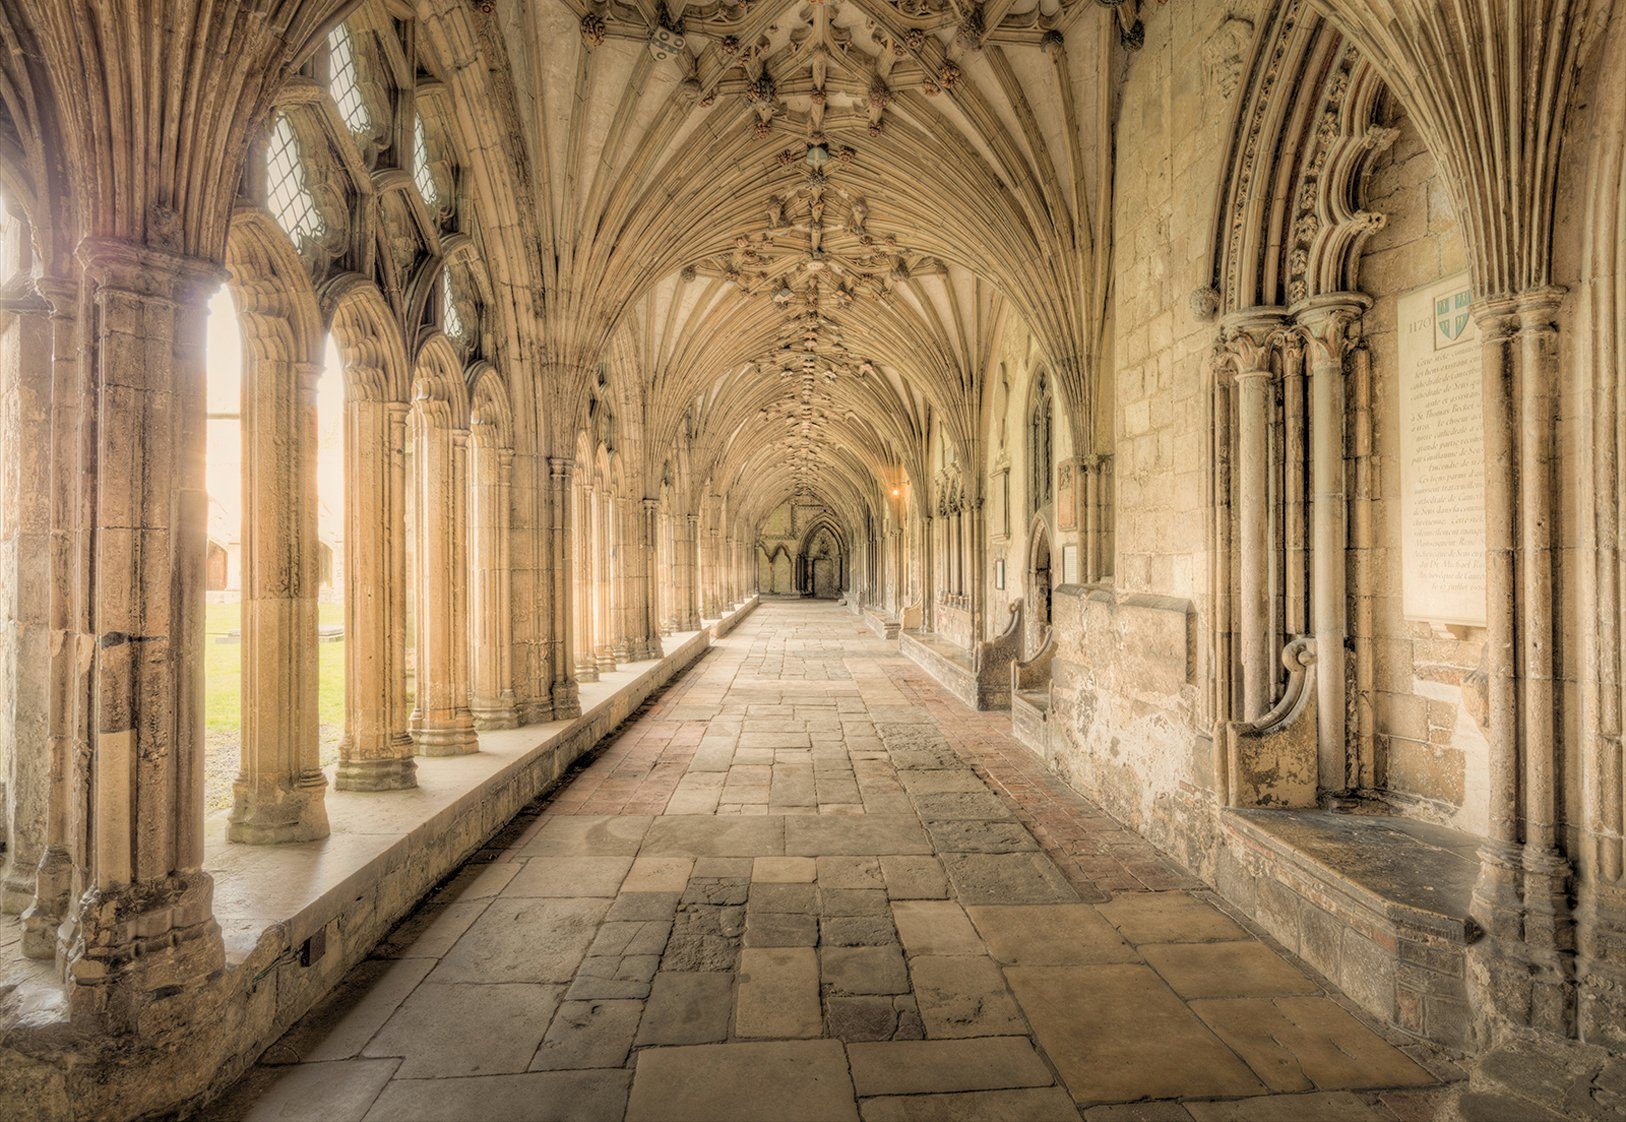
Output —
<point x="1196" y="422"/>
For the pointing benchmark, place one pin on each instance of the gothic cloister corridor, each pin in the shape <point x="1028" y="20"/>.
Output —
<point x="804" y="883"/>
<point x="896" y="559"/>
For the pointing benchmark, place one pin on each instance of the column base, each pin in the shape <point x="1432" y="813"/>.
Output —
<point x="17" y="886"/>
<point x="586" y="672"/>
<point x="269" y="812"/>
<point x="494" y="714"/>
<point x="567" y="702"/>
<point x="1601" y="1001"/>
<point x="133" y="944"/>
<point x="536" y="712"/>
<point x="387" y="773"/>
<point x="1500" y="975"/>
<point x="454" y="737"/>
<point x="42" y="917"/>
<point x="604" y="660"/>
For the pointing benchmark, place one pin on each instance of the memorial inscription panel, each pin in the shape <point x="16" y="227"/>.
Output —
<point x="1442" y="456"/>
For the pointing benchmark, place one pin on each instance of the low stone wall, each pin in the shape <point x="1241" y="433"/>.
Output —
<point x="1124" y="697"/>
<point x="948" y="666"/>
<point x="297" y="918"/>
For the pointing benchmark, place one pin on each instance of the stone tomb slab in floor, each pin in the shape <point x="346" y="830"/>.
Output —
<point x="1031" y="1104"/>
<point x="1007" y="878"/>
<point x="554" y="1096"/>
<point x="452" y="1030"/>
<point x="1048" y="934"/>
<point x="1308" y="1043"/>
<point x="704" y="835"/>
<point x="524" y="940"/>
<point x="728" y="1083"/>
<point x="1246" y="968"/>
<point x="849" y="835"/>
<point x="915" y="1067"/>
<point x="587" y="835"/>
<point x="1116" y="1033"/>
<point x="1169" y="917"/>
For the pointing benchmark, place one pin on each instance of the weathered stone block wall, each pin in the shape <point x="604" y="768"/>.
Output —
<point x="1430" y="749"/>
<point x="1128" y="726"/>
<point x="1124" y="695"/>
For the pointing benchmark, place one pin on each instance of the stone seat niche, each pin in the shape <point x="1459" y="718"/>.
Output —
<point x="1376" y="902"/>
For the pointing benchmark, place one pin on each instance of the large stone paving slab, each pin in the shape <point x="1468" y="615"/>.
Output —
<point x="788" y="1081"/>
<point x="867" y="835"/>
<point x="1117" y="1033"/>
<point x="702" y="835"/>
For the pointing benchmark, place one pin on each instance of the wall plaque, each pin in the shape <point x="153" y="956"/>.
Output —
<point x="1442" y="456"/>
<point x="1069" y="563"/>
<point x="999" y="500"/>
<point x="1068" y="477"/>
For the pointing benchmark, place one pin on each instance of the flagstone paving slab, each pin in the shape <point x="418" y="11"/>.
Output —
<point x="829" y="871"/>
<point x="728" y="1083"/>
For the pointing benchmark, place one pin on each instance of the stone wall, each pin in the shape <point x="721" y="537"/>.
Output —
<point x="1430" y="748"/>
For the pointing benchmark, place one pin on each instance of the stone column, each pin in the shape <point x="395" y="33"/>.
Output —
<point x="1331" y="325"/>
<point x="603" y="579"/>
<point x="71" y="648"/>
<point x="626" y="579"/>
<point x="665" y="568"/>
<point x="582" y="613"/>
<point x="279" y="793"/>
<point x="655" y="592"/>
<point x="1522" y="972"/>
<point x="1250" y="336"/>
<point x="491" y="646"/>
<point x="376" y="753"/>
<point x="566" y="694"/>
<point x="26" y="340"/>
<point x="403" y="591"/>
<point x="689" y="574"/>
<point x="441" y="723"/>
<point x="143" y="925"/>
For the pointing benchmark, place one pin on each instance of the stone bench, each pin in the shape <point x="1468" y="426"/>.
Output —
<point x="1376" y="902"/>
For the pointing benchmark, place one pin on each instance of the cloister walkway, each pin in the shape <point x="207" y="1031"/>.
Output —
<point x="805" y="883"/>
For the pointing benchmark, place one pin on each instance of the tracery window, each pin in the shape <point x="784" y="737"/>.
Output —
<point x="287" y="195"/>
<point x="420" y="166"/>
<point x="1039" y="445"/>
<point x="451" y="320"/>
<point x="345" y="84"/>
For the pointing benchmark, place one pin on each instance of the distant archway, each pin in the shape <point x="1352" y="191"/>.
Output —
<point x="823" y="562"/>
<point x="1040" y="585"/>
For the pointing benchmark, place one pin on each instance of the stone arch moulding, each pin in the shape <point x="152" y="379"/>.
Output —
<point x="1289" y="225"/>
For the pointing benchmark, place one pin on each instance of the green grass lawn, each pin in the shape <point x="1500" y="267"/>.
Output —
<point x="223" y="671"/>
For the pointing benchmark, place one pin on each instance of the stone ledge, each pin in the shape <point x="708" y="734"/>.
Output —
<point x="884" y="624"/>
<point x="1378" y="905"/>
<point x="387" y="850"/>
<point x="949" y="665"/>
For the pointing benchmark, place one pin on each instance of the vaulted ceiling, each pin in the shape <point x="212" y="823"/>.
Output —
<point x="802" y="226"/>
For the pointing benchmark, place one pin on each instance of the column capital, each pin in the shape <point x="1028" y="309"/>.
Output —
<point x="1331" y="324"/>
<point x="59" y="292"/>
<point x="561" y="467"/>
<point x="147" y="270"/>
<point x="1247" y="337"/>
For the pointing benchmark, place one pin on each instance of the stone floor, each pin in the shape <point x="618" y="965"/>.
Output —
<point x="805" y="883"/>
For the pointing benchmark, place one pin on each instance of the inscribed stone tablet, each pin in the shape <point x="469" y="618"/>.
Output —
<point x="1442" y="456"/>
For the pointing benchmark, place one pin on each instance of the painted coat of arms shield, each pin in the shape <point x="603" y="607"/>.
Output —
<point x="1451" y="316"/>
